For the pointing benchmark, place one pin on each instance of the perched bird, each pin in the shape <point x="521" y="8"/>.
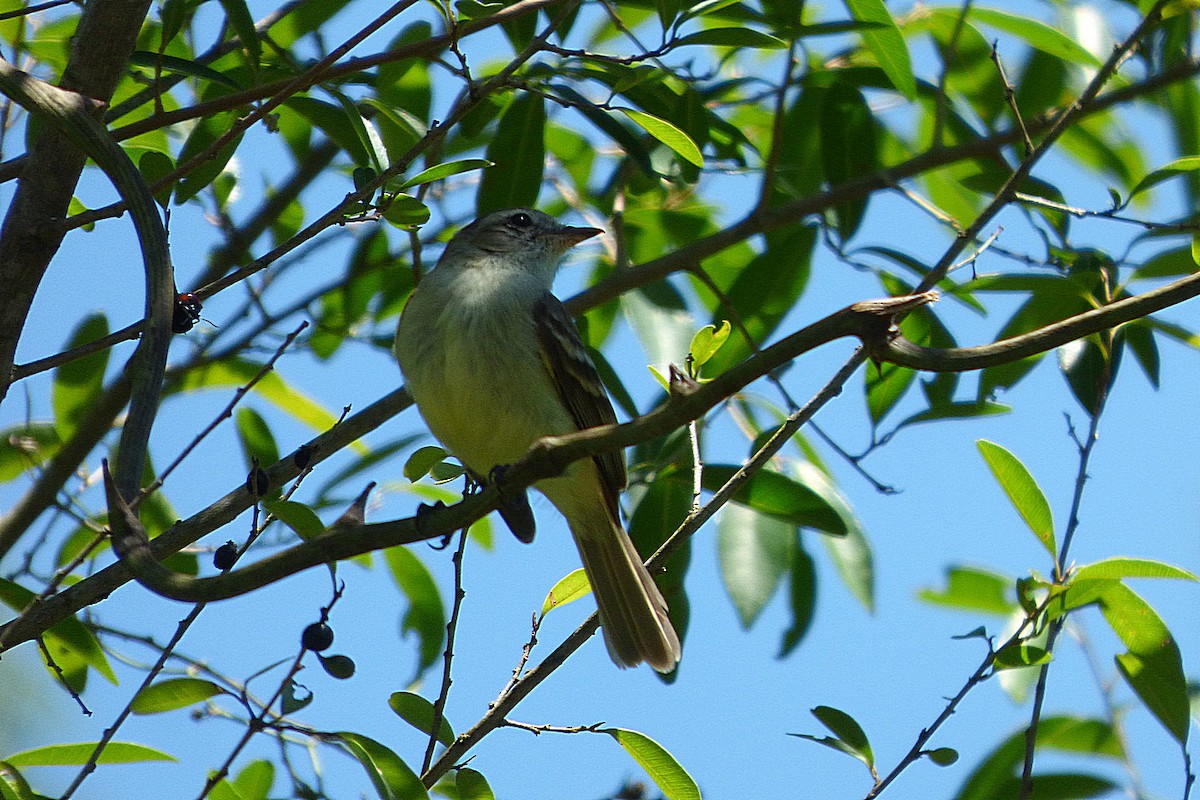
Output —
<point x="494" y="363"/>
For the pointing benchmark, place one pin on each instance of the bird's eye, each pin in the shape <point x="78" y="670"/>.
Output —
<point x="521" y="220"/>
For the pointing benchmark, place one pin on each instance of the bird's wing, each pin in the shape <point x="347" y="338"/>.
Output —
<point x="579" y="385"/>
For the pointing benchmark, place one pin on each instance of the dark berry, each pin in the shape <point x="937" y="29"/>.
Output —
<point x="317" y="637"/>
<point x="258" y="481"/>
<point x="303" y="456"/>
<point x="225" y="556"/>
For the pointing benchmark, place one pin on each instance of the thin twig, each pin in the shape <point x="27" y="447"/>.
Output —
<point x="62" y="678"/>
<point x="24" y="12"/>
<point x="1060" y="566"/>
<point x="1010" y="97"/>
<point x="439" y="706"/>
<point x="225" y="414"/>
<point x="90" y="765"/>
<point x="255" y="724"/>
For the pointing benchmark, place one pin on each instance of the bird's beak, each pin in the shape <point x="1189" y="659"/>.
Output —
<point x="568" y="237"/>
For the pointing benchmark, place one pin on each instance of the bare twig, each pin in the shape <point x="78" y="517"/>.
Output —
<point x="439" y="706"/>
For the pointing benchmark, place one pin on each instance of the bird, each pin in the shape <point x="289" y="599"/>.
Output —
<point x="494" y="363"/>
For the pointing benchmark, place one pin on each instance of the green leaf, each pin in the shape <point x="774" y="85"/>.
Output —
<point x="78" y="383"/>
<point x="1022" y="490"/>
<point x="475" y="10"/>
<point x="336" y="122"/>
<point x="883" y="38"/>
<point x="76" y="755"/>
<point x="442" y="171"/>
<point x="1179" y="166"/>
<point x="368" y="135"/>
<point x="942" y="756"/>
<point x="666" y="133"/>
<point x="845" y="728"/>
<point x="419" y="712"/>
<point x="422" y="461"/>
<point x="1017" y="656"/>
<point x="243" y="24"/>
<point x="271" y="386"/>
<point x="1153" y="667"/>
<point x="297" y="516"/>
<point x="668" y="775"/>
<point x="405" y="212"/>
<point x="802" y="596"/>
<point x="426" y="615"/>
<point x="707" y="341"/>
<point x="206" y="132"/>
<point x="518" y="154"/>
<point x="1132" y="568"/>
<point x="849" y="147"/>
<point x="781" y="497"/>
<point x="255" y="437"/>
<point x="391" y="777"/>
<point x="399" y="129"/>
<point x="182" y="66"/>
<point x="995" y="775"/>
<point x="73" y="647"/>
<point x="851" y="553"/>
<point x="155" y="166"/>
<point x="765" y="290"/>
<point x="173" y="693"/>
<point x="568" y="589"/>
<point x="340" y="667"/>
<point x="254" y="781"/>
<point x="1038" y="35"/>
<point x="732" y="37"/>
<point x="848" y="737"/>
<point x="754" y="552"/>
<point x="1172" y="263"/>
<point x="972" y="589"/>
<point x="472" y="785"/>
<point x="13" y="785"/>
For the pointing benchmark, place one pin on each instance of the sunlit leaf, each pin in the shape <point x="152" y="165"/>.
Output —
<point x="568" y="589"/>
<point x="1132" y="568"/>
<point x="446" y="170"/>
<point x="391" y="777"/>
<point x="419" y="712"/>
<point x="297" y="516"/>
<point x="848" y="736"/>
<point x="1180" y="166"/>
<point x="1037" y="34"/>
<point x="668" y="774"/>
<point x="78" y="383"/>
<point x="886" y="43"/>
<point x="1022" y="490"/>
<point x="517" y="152"/>
<point x="472" y="785"/>
<point x="173" y="693"/>
<point x="754" y="551"/>
<point x="666" y="133"/>
<point x="732" y="37"/>
<point x="973" y="589"/>
<point x="76" y="755"/>
<point x="1153" y="667"/>
<point x="426" y="615"/>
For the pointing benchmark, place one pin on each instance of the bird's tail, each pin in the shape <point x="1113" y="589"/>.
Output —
<point x="633" y="613"/>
